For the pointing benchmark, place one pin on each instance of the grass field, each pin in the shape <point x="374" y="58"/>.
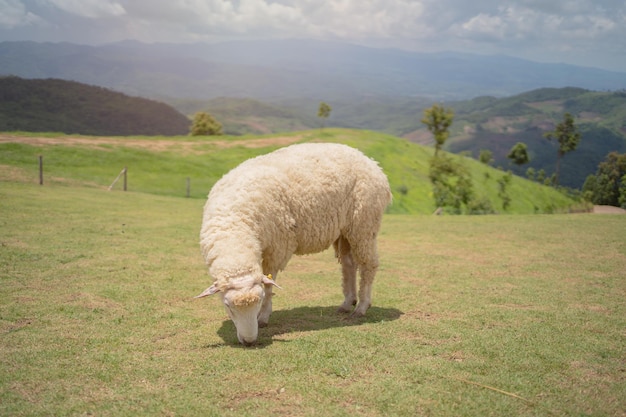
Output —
<point x="473" y="316"/>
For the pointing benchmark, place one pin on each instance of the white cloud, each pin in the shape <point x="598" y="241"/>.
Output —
<point x="348" y="19"/>
<point x="366" y="19"/>
<point x="13" y="14"/>
<point x="485" y="26"/>
<point x="581" y="24"/>
<point x="90" y="8"/>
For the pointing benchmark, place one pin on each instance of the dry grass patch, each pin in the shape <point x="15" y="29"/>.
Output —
<point x="183" y="145"/>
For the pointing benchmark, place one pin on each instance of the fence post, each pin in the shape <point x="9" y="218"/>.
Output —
<point x="122" y="172"/>
<point x="125" y="179"/>
<point x="188" y="187"/>
<point x="40" y="169"/>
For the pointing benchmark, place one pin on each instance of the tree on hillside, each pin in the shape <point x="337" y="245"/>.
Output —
<point x="486" y="156"/>
<point x="503" y="183"/>
<point x="438" y="120"/>
<point x="205" y="125"/>
<point x="568" y="136"/>
<point x="519" y="154"/>
<point x="452" y="183"/>
<point x="323" y="112"/>
<point x="608" y="185"/>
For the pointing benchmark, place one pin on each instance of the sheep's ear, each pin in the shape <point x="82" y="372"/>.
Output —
<point x="269" y="281"/>
<point x="209" y="291"/>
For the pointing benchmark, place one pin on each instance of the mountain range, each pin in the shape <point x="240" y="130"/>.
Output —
<point x="291" y="69"/>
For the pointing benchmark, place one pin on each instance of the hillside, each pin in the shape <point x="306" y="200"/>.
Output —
<point x="497" y="124"/>
<point x="485" y="122"/>
<point x="161" y="165"/>
<point x="53" y="105"/>
<point x="242" y="116"/>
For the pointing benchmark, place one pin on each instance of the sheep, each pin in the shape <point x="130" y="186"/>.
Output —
<point x="296" y="200"/>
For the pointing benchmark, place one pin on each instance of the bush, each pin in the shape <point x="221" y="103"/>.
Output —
<point x="452" y="183"/>
<point x="480" y="206"/>
<point x="205" y="125"/>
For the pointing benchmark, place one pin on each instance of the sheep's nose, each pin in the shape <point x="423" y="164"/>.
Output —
<point x="247" y="343"/>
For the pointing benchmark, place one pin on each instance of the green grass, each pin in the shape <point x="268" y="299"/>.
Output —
<point x="161" y="166"/>
<point x="491" y="315"/>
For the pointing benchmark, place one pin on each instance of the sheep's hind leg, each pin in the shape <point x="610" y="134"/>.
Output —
<point x="348" y="272"/>
<point x="365" y="290"/>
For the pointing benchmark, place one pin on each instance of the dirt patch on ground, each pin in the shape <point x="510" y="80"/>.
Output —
<point x="155" y="144"/>
<point x="608" y="210"/>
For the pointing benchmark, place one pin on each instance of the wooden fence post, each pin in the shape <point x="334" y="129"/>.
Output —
<point x="122" y="172"/>
<point x="40" y="169"/>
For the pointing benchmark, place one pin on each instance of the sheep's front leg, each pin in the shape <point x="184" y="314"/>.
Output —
<point x="266" y="308"/>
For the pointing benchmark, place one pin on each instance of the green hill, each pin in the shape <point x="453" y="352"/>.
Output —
<point x="161" y="165"/>
<point x="53" y="105"/>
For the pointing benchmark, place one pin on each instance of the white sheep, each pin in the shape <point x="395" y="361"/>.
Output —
<point x="296" y="200"/>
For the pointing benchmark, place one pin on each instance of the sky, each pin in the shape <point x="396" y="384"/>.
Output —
<point x="582" y="32"/>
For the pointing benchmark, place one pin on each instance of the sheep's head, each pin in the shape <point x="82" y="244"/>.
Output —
<point x="243" y="298"/>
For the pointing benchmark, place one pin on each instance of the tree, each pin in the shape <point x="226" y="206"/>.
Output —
<point x="622" y="193"/>
<point x="486" y="156"/>
<point x="541" y="176"/>
<point x="205" y="125"/>
<point x="519" y="154"/>
<point x="502" y="190"/>
<point x="438" y="120"/>
<point x="608" y="185"/>
<point x="324" y="112"/>
<point x="452" y="183"/>
<point x="568" y="136"/>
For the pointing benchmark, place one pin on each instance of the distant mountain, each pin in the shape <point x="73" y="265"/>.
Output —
<point x="279" y="71"/>
<point x="53" y="105"/>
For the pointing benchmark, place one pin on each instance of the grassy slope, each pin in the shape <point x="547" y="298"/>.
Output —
<point x="96" y="317"/>
<point x="161" y="166"/>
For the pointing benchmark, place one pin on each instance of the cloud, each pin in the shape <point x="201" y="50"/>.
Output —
<point x="90" y="8"/>
<point x="13" y="14"/>
<point x="484" y="26"/>
<point x="346" y="19"/>
<point x="519" y="22"/>
<point x="555" y="28"/>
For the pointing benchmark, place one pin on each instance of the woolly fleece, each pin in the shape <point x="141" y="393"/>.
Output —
<point x="299" y="199"/>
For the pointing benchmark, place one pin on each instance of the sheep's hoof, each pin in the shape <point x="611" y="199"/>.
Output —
<point x="359" y="311"/>
<point x="346" y="307"/>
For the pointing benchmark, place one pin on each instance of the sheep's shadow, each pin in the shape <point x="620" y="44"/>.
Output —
<point x="304" y="319"/>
